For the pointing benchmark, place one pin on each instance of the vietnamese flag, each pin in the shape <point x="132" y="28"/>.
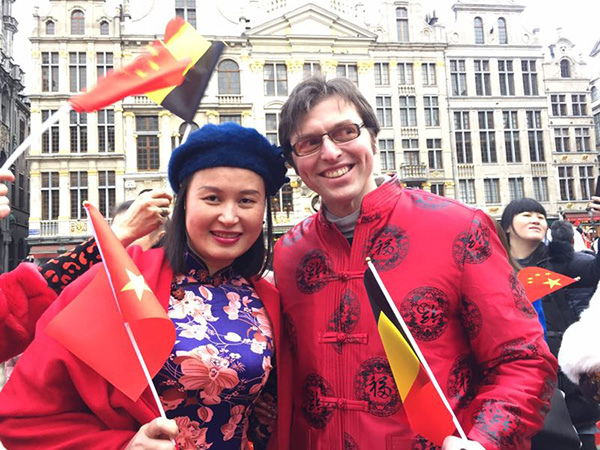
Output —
<point x="93" y="325"/>
<point x="539" y="282"/>
<point x="427" y="412"/>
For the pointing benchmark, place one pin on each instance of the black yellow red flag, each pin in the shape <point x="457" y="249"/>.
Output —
<point x="539" y="282"/>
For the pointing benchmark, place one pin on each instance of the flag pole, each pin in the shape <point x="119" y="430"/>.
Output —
<point x="416" y="348"/>
<point x="186" y="133"/>
<point x="27" y="142"/>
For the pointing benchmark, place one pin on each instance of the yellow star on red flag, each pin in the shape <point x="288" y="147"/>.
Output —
<point x="539" y="282"/>
<point x="136" y="283"/>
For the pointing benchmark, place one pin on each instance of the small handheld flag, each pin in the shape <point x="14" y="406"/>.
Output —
<point x="425" y="404"/>
<point x="539" y="282"/>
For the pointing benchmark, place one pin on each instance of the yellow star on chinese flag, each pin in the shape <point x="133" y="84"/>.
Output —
<point x="538" y="281"/>
<point x="137" y="284"/>
<point x="552" y="283"/>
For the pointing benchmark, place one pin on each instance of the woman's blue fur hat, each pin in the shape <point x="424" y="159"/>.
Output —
<point x="229" y="145"/>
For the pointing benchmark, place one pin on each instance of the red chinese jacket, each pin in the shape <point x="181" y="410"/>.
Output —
<point x="446" y="270"/>
<point x="55" y="401"/>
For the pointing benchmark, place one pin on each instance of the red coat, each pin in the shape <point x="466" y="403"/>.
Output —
<point x="54" y="401"/>
<point x="444" y="266"/>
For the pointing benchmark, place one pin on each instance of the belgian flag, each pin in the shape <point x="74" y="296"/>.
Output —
<point x="428" y="414"/>
<point x="183" y="41"/>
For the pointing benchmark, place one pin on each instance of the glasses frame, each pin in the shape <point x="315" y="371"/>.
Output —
<point x="358" y="126"/>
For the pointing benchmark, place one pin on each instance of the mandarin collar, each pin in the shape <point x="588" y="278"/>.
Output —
<point x="197" y="270"/>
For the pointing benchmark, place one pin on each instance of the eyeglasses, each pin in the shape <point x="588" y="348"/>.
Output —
<point x="340" y="135"/>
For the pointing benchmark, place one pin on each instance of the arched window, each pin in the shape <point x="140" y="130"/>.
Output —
<point x="594" y="93"/>
<point x="104" y="28"/>
<point x="229" y="77"/>
<point x="402" y="24"/>
<point x="49" y="27"/>
<point x="77" y="22"/>
<point x="565" y="68"/>
<point x="478" y="24"/>
<point x="502" y="36"/>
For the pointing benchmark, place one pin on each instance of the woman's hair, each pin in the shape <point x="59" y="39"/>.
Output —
<point x="517" y="207"/>
<point x="504" y="241"/>
<point x="251" y="264"/>
<point x="121" y="208"/>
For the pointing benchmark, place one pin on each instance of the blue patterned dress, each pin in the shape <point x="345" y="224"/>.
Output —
<point x="221" y="359"/>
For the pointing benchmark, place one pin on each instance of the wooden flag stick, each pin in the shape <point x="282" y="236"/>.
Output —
<point x="186" y="133"/>
<point x="416" y="348"/>
<point x="27" y="142"/>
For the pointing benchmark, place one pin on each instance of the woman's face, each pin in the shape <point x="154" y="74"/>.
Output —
<point x="528" y="226"/>
<point x="224" y="212"/>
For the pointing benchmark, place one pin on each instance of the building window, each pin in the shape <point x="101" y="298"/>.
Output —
<point x="502" y="34"/>
<point x="387" y="154"/>
<point x="50" y="71"/>
<point x="597" y="128"/>
<point x="382" y="74"/>
<point x="79" y="193"/>
<point x="402" y="24"/>
<point x="428" y="73"/>
<point x="408" y="111"/>
<point x="530" y="82"/>
<point x="104" y="28"/>
<point x="535" y="135"/>
<point x="229" y="77"/>
<point x="283" y="201"/>
<point x="186" y="9"/>
<point x="516" y="188"/>
<point x="148" y="156"/>
<point x="104" y="63"/>
<point x="487" y="137"/>
<point x="559" y="105"/>
<point x="582" y="139"/>
<point x="50" y="27"/>
<point x="236" y="118"/>
<point x="434" y="151"/>
<point x="540" y="189"/>
<point x="565" y="180"/>
<point x="458" y="76"/>
<point x="348" y="70"/>
<point x="410" y="152"/>
<point x="405" y="73"/>
<point x="462" y="135"/>
<point x="78" y="132"/>
<point x="466" y="191"/>
<point x="106" y="130"/>
<point x="579" y="105"/>
<point x="271" y="127"/>
<point x="50" y="137"/>
<point x="478" y="25"/>
<point x="482" y="77"/>
<point x="383" y="108"/>
<point x="438" y="189"/>
<point x="492" y="191"/>
<point x="106" y="192"/>
<point x="432" y="111"/>
<point x="183" y="127"/>
<point x="77" y="22"/>
<point x="565" y="68"/>
<point x="507" y="77"/>
<point x="561" y="139"/>
<point x="310" y="69"/>
<point x="77" y="71"/>
<point x="50" y="195"/>
<point x="275" y="77"/>
<point x="5" y="107"/>
<point x="586" y="181"/>
<point x="511" y="137"/>
<point x="594" y="93"/>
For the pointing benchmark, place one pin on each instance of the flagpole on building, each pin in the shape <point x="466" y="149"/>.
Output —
<point x="27" y="142"/>
<point x="416" y="349"/>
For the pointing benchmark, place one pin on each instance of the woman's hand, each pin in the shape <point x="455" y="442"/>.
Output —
<point x="454" y="443"/>
<point x="155" y="435"/>
<point x="5" y="175"/>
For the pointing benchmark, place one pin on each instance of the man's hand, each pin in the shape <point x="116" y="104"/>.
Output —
<point x="155" y="435"/>
<point x="593" y="207"/>
<point x="454" y="443"/>
<point x="148" y="212"/>
<point x="5" y="175"/>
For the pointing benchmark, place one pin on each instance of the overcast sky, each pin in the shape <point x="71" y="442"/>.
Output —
<point x="579" y="19"/>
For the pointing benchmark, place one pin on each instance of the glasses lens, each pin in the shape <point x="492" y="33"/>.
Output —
<point x="345" y="133"/>
<point x="308" y="145"/>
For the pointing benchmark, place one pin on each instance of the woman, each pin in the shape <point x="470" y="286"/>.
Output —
<point x="226" y="318"/>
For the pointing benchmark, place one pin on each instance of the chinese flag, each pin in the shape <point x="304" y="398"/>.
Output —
<point x="424" y="408"/>
<point x="538" y="281"/>
<point x="155" y="69"/>
<point x="93" y="325"/>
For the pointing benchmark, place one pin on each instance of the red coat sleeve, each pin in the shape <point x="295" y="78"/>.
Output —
<point x="24" y="296"/>
<point x="517" y="368"/>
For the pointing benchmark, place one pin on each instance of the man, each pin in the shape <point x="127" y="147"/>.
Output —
<point x="457" y="293"/>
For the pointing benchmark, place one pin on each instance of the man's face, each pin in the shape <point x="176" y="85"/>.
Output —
<point x="342" y="174"/>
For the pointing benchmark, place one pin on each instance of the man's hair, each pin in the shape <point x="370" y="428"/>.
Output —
<point x="312" y="91"/>
<point x="562" y="230"/>
<point x="517" y="207"/>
